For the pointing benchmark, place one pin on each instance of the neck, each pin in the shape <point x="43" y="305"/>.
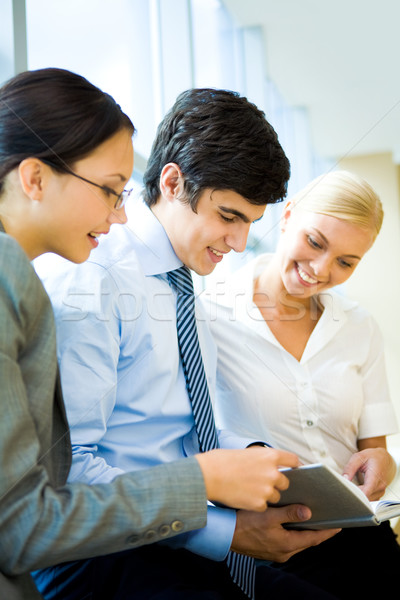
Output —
<point x="17" y="214"/>
<point x="21" y="231"/>
<point x="158" y="212"/>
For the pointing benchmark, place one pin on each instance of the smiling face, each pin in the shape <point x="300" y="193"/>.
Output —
<point x="75" y="212"/>
<point x="220" y="224"/>
<point x="317" y="252"/>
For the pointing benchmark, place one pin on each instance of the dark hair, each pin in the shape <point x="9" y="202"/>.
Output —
<point x="219" y="140"/>
<point x="54" y="115"/>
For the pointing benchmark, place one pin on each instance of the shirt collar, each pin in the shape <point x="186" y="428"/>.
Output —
<point x="152" y="245"/>
<point x="334" y="316"/>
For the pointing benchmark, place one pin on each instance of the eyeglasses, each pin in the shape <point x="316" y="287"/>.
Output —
<point x="121" y="198"/>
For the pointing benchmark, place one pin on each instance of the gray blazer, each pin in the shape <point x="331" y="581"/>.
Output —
<point x="42" y="520"/>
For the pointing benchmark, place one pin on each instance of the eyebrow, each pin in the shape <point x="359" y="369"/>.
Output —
<point x="327" y="243"/>
<point x="235" y="212"/>
<point x="122" y="177"/>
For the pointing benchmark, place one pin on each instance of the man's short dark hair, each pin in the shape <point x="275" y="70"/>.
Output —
<point x="222" y="141"/>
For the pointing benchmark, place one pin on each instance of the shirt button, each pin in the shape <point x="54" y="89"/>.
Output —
<point x="177" y="526"/>
<point x="310" y="423"/>
<point x="164" y="530"/>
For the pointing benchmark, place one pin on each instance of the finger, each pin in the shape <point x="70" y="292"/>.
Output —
<point x="370" y="482"/>
<point x="373" y="490"/>
<point x="282" y="482"/>
<point x="287" y="459"/>
<point x="296" y="513"/>
<point x="323" y="535"/>
<point x="306" y="538"/>
<point x="274" y="496"/>
<point x="353" y="466"/>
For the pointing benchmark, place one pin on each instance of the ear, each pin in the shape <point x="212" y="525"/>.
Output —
<point x="287" y="211"/>
<point x="31" y="173"/>
<point x="171" y="181"/>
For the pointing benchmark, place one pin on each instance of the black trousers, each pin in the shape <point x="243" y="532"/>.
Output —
<point x="362" y="562"/>
<point x="157" y="572"/>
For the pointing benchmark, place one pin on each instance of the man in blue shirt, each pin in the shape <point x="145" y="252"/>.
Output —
<point x="214" y="166"/>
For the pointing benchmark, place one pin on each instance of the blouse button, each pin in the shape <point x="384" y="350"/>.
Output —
<point x="310" y="423"/>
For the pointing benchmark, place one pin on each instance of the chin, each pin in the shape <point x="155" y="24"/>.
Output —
<point x="79" y="261"/>
<point x="75" y="257"/>
<point x="205" y="270"/>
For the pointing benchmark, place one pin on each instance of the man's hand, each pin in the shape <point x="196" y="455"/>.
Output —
<point x="262" y="535"/>
<point x="246" y="479"/>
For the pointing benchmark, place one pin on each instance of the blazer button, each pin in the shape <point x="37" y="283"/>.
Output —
<point x="164" y="530"/>
<point x="177" y="526"/>
<point x="134" y="539"/>
<point x="149" y="535"/>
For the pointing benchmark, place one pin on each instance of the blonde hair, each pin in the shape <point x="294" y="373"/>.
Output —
<point x="343" y="195"/>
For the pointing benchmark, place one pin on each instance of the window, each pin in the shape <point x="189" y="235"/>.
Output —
<point x="145" y="53"/>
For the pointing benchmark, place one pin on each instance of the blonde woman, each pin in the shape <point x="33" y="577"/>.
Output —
<point x="302" y="366"/>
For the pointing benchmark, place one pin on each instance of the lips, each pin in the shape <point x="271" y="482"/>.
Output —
<point x="94" y="237"/>
<point x="305" y="277"/>
<point x="97" y="234"/>
<point x="215" y="255"/>
<point x="93" y="240"/>
<point x="216" y="252"/>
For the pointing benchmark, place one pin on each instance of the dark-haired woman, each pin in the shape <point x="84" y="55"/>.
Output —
<point x="65" y="157"/>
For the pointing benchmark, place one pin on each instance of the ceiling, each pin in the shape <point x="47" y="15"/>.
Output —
<point x="341" y="60"/>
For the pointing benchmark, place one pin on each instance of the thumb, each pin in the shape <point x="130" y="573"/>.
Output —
<point x="353" y="465"/>
<point x="297" y="512"/>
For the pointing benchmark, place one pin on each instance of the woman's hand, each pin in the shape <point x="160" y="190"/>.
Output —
<point x="373" y="465"/>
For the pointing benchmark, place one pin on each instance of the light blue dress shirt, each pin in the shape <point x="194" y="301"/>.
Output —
<point x="123" y="382"/>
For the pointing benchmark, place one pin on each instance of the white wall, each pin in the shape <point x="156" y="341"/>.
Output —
<point x="376" y="282"/>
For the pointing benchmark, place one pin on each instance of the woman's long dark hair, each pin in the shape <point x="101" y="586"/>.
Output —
<point x="54" y="115"/>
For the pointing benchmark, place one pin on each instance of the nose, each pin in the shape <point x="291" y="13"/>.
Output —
<point x="321" y="266"/>
<point x="118" y="215"/>
<point x="237" y="240"/>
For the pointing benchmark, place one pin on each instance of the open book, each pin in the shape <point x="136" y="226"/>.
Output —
<point x="334" y="500"/>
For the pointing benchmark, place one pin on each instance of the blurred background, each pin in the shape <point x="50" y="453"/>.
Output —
<point x="325" y="73"/>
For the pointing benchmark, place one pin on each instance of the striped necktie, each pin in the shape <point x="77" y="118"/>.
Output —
<point x="241" y="567"/>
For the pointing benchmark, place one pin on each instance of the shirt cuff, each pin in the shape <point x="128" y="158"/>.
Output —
<point x="231" y="441"/>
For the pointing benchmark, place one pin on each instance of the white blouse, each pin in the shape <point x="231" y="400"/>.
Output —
<point x="317" y="407"/>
